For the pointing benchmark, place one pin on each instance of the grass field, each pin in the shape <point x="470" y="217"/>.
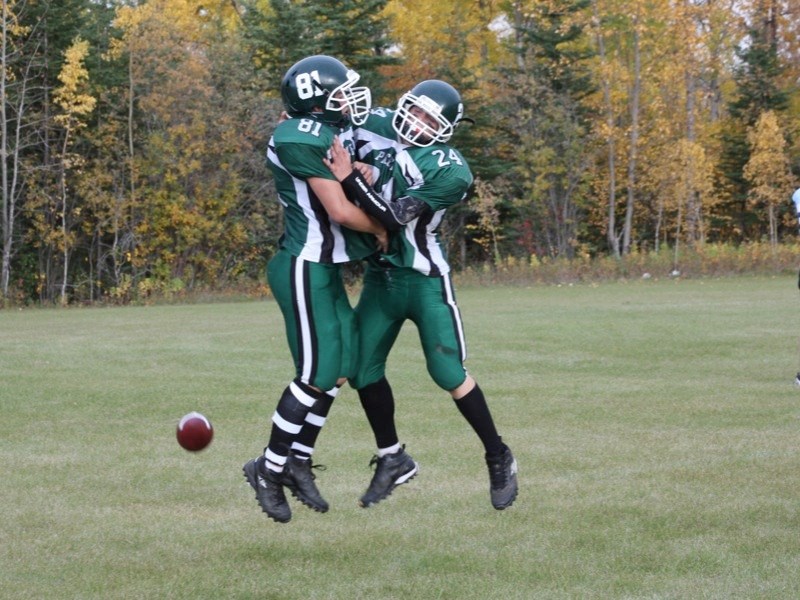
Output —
<point x="655" y="424"/>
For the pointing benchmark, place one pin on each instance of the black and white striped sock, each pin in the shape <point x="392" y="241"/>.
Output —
<point x="287" y="422"/>
<point x="303" y="446"/>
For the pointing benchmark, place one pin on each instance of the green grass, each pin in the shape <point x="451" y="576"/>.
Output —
<point x="655" y="424"/>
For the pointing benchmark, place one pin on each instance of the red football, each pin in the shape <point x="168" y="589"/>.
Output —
<point x="194" y="432"/>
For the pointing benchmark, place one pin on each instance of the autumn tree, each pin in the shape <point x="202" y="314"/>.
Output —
<point x="607" y="130"/>
<point x="658" y="65"/>
<point x="767" y="171"/>
<point x="74" y="105"/>
<point x="43" y="32"/>
<point x="487" y="228"/>
<point x="189" y="138"/>
<point x="674" y="191"/>
<point x="683" y="176"/>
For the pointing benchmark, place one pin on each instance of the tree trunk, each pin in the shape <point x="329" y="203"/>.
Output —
<point x="632" y="156"/>
<point x="62" y="184"/>
<point x="7" y="222"/>
<point x="10" y="143"/>
<point x="611" y="231"/>
<point x="773" y="226"/>
<point x="692" y="200"/>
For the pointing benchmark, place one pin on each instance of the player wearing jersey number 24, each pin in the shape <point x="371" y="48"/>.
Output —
<point x="411" y="281"/>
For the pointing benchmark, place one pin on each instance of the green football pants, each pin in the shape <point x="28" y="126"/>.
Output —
<point x="320" y="323"/>
<point x="391" y="296"/>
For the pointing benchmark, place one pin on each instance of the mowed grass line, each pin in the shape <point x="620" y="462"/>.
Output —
<point x="655" y="424"/>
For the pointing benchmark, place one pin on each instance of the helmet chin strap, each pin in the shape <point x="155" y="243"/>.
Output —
<point x="341" y="122"/>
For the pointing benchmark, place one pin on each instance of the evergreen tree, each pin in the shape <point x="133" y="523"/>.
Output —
<point x="546" y="124"/>
<point x="553" y="49"/>
<point x="285" y="31"/>
<point x="277" y="35"/>
<point x="356" y="32"/>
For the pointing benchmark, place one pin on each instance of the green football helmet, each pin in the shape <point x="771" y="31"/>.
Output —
<point x="323" y="86"/>
<point x="435" y="98"/>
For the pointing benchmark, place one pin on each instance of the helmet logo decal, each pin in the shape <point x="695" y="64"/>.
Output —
<point x="308" y="85"/>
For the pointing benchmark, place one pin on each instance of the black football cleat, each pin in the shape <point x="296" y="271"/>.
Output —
<point x="390" y="471"/>
<point x="297" y="476"/>
<point x="269" y="490"/>
<point x="502" y="478"/>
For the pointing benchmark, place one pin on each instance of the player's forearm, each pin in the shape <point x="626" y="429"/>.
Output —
<point x="350" y="216"/>
<point x="393" y="215"/>
<point x="339" y="208"/>
<point x="358" y="190"/>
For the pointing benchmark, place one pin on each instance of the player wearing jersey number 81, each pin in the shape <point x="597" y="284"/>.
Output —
<point x="322" y="231"/>
<point x="411" y="281"/>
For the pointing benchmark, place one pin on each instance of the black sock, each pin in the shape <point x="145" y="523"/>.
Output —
<point x="476" y="412"/>
<point x="378" y="403"/>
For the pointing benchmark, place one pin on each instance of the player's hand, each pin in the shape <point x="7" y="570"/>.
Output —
<point x="381" y="236"/>
<point x="365" y="170"/>
<point x="382" y="240"/>
<point x="339" y="162"/>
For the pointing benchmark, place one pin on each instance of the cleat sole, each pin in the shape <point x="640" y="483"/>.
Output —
<point x="405" y="478"/>
<point x="252" y="479"/>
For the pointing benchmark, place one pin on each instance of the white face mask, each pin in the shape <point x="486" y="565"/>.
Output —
<point x="348" y="99"/>
<point x="417" y="130"/>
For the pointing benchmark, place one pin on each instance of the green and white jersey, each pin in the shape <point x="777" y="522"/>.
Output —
<point x="376" y="145"/>
<point x="294" y="155"/>
<point x="438" y="175"/>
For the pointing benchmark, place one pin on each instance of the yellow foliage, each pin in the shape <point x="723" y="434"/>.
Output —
<point x="73" y="76"/>
<point x="487" y="230"/>
<point x="438" y="37"/>
<point x="14" y="28"/>
<point x="768" y="167"/>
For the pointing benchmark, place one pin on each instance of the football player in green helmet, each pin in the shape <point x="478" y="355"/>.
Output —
<point x="323" y="86"/>
<point x="428" y="114"/>
<point x="322" y="231"/>
<point x="416" y="177"/>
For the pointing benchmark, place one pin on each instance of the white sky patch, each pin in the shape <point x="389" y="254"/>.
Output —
<point x="501" y="26"/>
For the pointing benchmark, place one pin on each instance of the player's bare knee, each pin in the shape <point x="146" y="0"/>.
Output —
<point x="465" y="388"/>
